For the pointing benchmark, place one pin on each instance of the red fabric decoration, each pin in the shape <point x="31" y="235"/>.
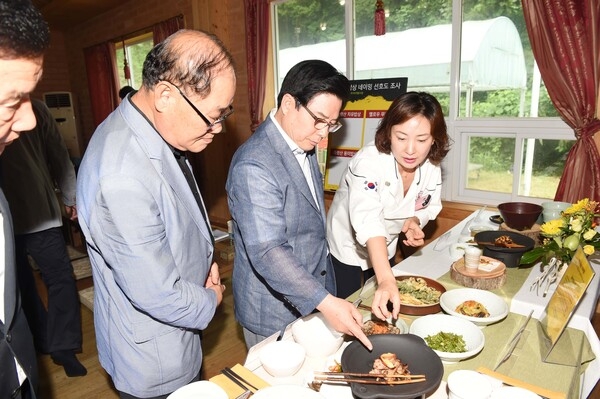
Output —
<point x="126" y="70"/>
<point x="379" y="18"/>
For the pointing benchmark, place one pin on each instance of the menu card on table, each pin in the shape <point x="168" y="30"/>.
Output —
<point x="561" y="307"/>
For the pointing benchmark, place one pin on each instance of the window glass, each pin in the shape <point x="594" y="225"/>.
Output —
<point x="417" y="44"/>
<point x="136" y="50"/>
<point x="490" y="163"/>
<point x="497" y="108"/>
<point x="542" y="166"/>
<point x="491" y="160"/>
<point x="498" y="77"/>
<point x="310" y="29"/>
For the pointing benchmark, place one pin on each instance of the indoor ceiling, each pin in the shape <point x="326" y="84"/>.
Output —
<point x="64" y="14"/>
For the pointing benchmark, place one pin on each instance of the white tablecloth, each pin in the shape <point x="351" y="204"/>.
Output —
<point x="433" y="261"/>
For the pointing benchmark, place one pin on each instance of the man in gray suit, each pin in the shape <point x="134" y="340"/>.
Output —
<point x="24" y="37"/>
<point x="155" y="283"/>
<point x="282" y="267"/>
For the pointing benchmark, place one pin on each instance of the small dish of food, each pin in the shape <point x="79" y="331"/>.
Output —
<point x="452" y="338"/>
<point x="480" y="307"/>
<point x="496" y="219"/>
<point x="419" y="295"/>
<point x="373" y="326"/>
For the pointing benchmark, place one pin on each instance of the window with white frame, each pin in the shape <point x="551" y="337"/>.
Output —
<point x="135" y="52"/>
<point x="474" y="55"/>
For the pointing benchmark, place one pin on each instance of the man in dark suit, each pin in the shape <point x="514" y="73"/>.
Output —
<point x="24" y="36"/>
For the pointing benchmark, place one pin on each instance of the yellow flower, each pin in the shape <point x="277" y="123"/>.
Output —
<point x="588" y="235"/>
<point x="552" y="227"/>
<point x="578" y="207"/>
<point x="588" y="249"/>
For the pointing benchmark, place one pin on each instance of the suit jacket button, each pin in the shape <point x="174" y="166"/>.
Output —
<point x="9" y="337"/>
<point x="323" y="273"/>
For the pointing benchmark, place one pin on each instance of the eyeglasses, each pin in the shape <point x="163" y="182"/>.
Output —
<point x="209" y="125"/>
<point x="320" y="123"/>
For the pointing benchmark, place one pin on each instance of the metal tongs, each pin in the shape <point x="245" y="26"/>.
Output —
<point x="547" y="278"/>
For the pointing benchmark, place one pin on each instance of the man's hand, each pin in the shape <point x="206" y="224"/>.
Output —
<point x="71" y="212"/>
<point x="414" y="234"/>
<point x="213" y="282"/>
<point x="344" y="318"/>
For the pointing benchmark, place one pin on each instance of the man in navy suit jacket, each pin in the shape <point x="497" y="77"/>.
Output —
<point x="282" y="268"/>
<point x="24" y="36"/>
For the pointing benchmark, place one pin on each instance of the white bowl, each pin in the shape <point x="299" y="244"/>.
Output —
<point x="513" y="393"/>
<point x="494" y="304"/>
<point x="469" y="384"/>
<point x="282" y="358"/>
<point x="316" y="336"/>
<point x="434" y="323"/>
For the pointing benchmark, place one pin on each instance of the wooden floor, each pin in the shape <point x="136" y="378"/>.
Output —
<point x="223" y="346"/>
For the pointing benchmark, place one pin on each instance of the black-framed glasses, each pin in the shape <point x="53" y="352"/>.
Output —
<point x="209" y="125"/>
<point x="320" y="123"/>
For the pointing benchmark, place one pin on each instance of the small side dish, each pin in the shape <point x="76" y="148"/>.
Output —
<point x="446" y="342"/>
<point x="373" y="327"/>
<point x="473" y="309"/>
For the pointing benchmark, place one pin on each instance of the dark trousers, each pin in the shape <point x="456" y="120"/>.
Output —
<point x="123" y="395"/>
<point x="58" y="328"/>
<point x="348" y="278"/>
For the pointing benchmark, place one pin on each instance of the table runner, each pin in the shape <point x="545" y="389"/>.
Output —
<point x="527" y="356"/>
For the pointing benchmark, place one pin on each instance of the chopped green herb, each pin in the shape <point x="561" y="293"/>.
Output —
<point x="446" y="342"/>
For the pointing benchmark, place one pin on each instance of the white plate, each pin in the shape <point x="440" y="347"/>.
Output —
<point x="199" y="389"/>
<point x="287" y="392"/>
<point x="513" y="393"/>
<point x="435" y="323"/>
<point x="496" y="306"/>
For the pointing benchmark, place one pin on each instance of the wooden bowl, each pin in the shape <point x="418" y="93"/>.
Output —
<point x="420" y="310"/>
<point x="520" y="215"/>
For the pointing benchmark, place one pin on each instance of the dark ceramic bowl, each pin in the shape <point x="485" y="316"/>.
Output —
<point x="520" y="215"/>
<point x="509" y="256"/>
<point x="410" y="349"/>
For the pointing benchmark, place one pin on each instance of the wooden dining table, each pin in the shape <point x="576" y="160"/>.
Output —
<point x="434" y="261"/>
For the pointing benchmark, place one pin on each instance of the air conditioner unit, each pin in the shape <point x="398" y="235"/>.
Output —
<point x="61" y="106"/>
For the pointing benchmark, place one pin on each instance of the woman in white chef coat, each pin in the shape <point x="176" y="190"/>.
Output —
<point x="391" y="186"/>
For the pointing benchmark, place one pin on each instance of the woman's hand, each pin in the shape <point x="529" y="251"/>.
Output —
<point x="414" y="235"/>
<point x="387" y="291"/>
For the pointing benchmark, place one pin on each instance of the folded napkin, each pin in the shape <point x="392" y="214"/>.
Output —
<point x="232" y="389"/>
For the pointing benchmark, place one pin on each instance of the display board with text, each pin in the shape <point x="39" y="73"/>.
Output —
<point x="369" y="101"/>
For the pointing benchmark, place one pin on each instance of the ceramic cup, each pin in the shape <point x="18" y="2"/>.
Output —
<point x="552" y="209"/>
<point x="472" y="257"/>
<point x="468" y="384"/>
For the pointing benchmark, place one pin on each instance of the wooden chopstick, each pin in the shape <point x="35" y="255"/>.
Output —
<point x="341" y="374"/>
<point x="546" y="393"/>
<point x="368" y="381"/>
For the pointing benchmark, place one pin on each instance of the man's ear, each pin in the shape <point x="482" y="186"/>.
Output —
<point x="288" y="103"/>
<point x="163" y="96"/>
